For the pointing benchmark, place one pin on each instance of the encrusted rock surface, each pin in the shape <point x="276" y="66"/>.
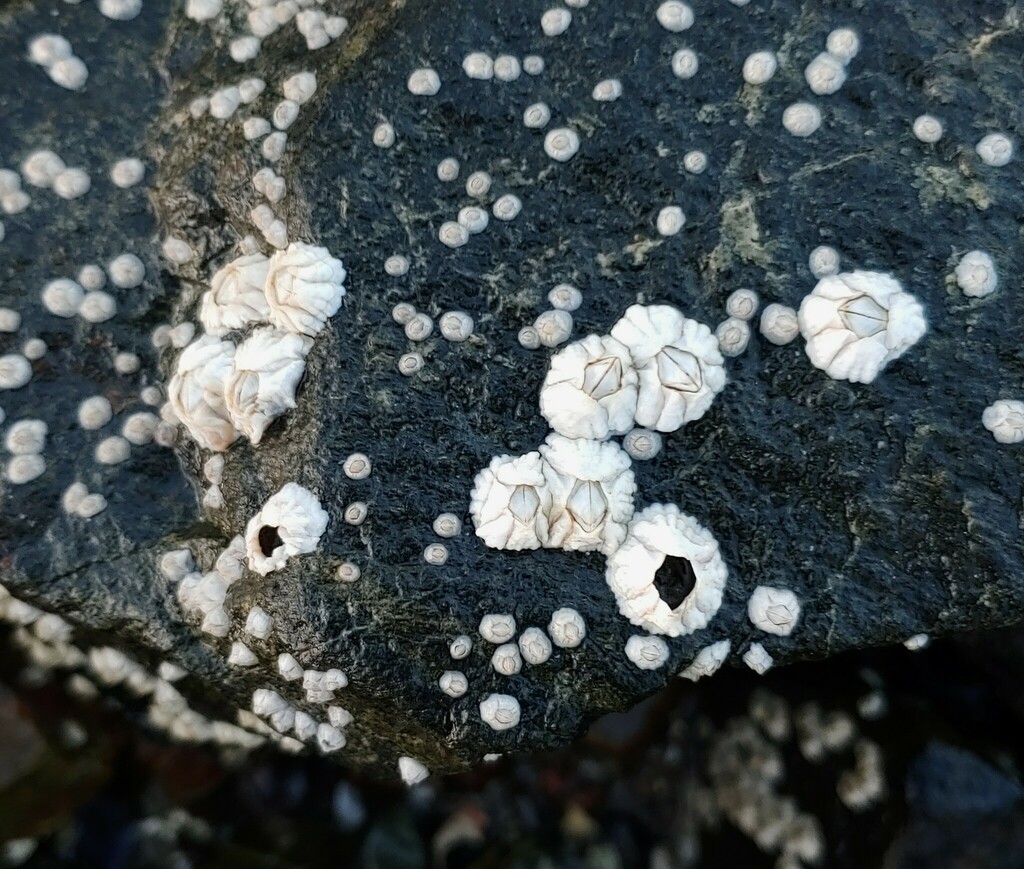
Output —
<point x="887" y="508"/>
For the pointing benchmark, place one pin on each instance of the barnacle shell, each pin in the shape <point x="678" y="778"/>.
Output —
<point x="304" y="288"/>
<point x="300" y="522"/>
<point x="707" y="662"/>
<point x="510" y="503"/>
<point x="196" y="392"/>
<point x="235" y="297"/>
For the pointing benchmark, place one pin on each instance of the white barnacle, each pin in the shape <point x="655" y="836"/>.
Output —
<point x="976" y="274"/>
<point x="453" y="234"/>
<point x="733" y="336"/>
<point x="435" y="553"/>
<point x="648" y="653"/>
<point x="448" y="169"/>
<point x="507" y="207"/>
<point x="15" y="371"/>
<point x="927" y="129"/>
<point x="304" y="288"/>
<point x="825" y="74"/>
<point x="34" y="348"/>
<point x="244" y="48"/>
<point x="72" y="183"/>
<point x="554" y="22"/>
<point x="758" y="659"/>
<point x="412" y="771"/>
<point x="678" y="361"/>
<point x="843" y="44"/>
<point x="565" y="297"/>
<point x="261" y="387"/>
<point x="127" y="172"/>
<point x="1005" y="419"/>
<point x="339" y="717"/>
<point x="608" y="90"/>
<point x="329" y="738"/>
<point x="410" y="364"/>
<point x="126" y="271"/>
<point x="500" y="711"/>
<point x="396" y="265"/>
<point x="685" y="63"/>
<point x="24" y="469"/>
<point x="273" y="146"/>
<point x="675" y="16"/>
<point x="423" y="82"/>
<point x="561" y="144"/>
<point x="97" y="307"/>
<point x="348" y="572"/>
<point x="590" y="390"/>
<point x="497" y="628"/>
<point x="419" y="327"/>
<point x="533" y="64"/>
<point x="534" y="646"/>
<point x="995" y="149"/>
<point x="460" y="647"/>
<point x="94" y="412"/>
<point x="288" y="667"/>
<point x="478" y="65"/>
<point x="591" y="490"/>
<point x="823" y="261"/>
<point x="120" y="10"/>
<point x="453" y="683"/>
<point x="47" y="48"/>
<point x="258" y="623"/>
<point x="10" y="320"/>
<point x="112" y="451"/>
<point x="196" y="392"/>
<point x="695" y="162"/>
<point x="708" y="661"/>
<point x="742" y="304"/>
<point x="474" y="218"/>
<point x="858" y="322"/>
<point x="447" y="525"/>
<point x="225" y="102"/>
<point x="917" y="642"/>
<point x="668" y="548"/>
<point x="773" y="610"/>
<point x="241" y="655"/>
<point x="642" y="444"/>
<point x="299" y="87"/>
<point x="478" y="184"/>
<point x="139" y="428"/>
<point x="235" y="298"/>
<point x="291" y="522"/>
<point x="506" y="659"/>
<point x="536" y="116"/>
<point x="384" y="135"/>
<point x="305" y="726"/>
<point x="62" y="297"/>
<point x="177" y="250"/>
<point x="41" y="167"/>
<point x="553" y="327"/>
<point x="759" y="67"/>
<point x="801" y="119"/>
<point x="127" y="363"/>
<point x="455" y="326"/>
<point x="779" y="324"/>
<point x="671" y="220"/>
<point x="285" y="114"/>
<point x="403" y="312"/>
<point x="510" y="502"/>
<point x="357" y="466"/>
<point x="529" y="338"/>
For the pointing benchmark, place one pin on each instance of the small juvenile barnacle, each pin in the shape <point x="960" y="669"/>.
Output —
<point x="473" y="218"/>
<point x="995" y="149"/>
<point x="825" y="74"/>
<point x="565" y="297"/>
<point x="15" y="371"/>
<point x="553" y="327"/>
<point x="758" y="659"/>
<point x="285" y="114"/>
<point x="62" y="297"/>
<point x="608" y="90"/>
<point x="927" y="129"/>
<point x="412" y="771"/>
<point x="241" y="655"/>
<point x="843" y="43"/>
<point x="534" y="646"/>
<point x="410" y="363"/>
<point x="435" y="553"/>
<point x="26" y="437"/>
<point x="675" y="16"/>
<point x="261" y="387"/>
<point x="196" y="392"/>
<point x="678" y="361"/>
<point x="356" y="513"/>
<point x="455" y="326"/>
<point x="648" y="653"/>
<point x="510" y="502"/>
<point x="291" y="522"/>
<point x="708" y="661"/>
<point x="591" y="489"/>
<point x="536" y="116"/>
<point x="24" y="469"/>
<point x="506" y="659"/>
<point x="419" y="327"/>
<point x="1005" y="419"/>
<point x="453" y="683"/>
<point x="773" y="610"/>
<point x="497" y="628"/>
<point x="329" y="739"/>
<point x="759" y="67"/>
<point x="396" y="265"/>
<point x="823" y="261"/>
<point x="733" y="336"/>
<point x="460" y="647"/>
<point x="561" y="144"/>
<point x="671" y="220"/>
<point x="478" y="65"/>
<point x="742" y="304"/>
<point x="801" y="119"/>
<point x="668" y="576"/>
<point x="500" y="711"/>
<point x="357" y="466"/>
<point x="403" y="312"/>
<point x="424" y="82"/>
<point x="976" y="274"/>
<point x="348" y="572"/>
<point x="453" y="234"/>
<point x="555" y="22"/>
<point x="529" y="338"/>
<point x="642" y="444"/>
<point x="447" y="525"/>
<point x="590" y="390"/>
<point x="685" y="63"/>
<point x="304" y="288"/>
<point x="779" y="324"/>
<point x="856" y="323"/>
<point x="478" y="184"/>
<point x="448" y="169"/>
<point x="290" y="669"/>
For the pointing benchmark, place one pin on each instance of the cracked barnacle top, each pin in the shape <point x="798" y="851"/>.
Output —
<point x="887" y="508"/>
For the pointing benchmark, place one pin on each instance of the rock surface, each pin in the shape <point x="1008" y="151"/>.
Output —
<point x="887" y="508"/>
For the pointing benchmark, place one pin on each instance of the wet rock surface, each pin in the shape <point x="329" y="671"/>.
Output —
<point x="887" y="508"/>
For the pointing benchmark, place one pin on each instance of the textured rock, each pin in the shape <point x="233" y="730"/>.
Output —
<point x="887" y="508"/>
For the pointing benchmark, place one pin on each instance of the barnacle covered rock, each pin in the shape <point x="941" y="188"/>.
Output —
<point x="196" y="391"/>
<point x="680" y="367"/>
<point x="856" y="323"/>
<point x="590" y="389"/>
<point x="290" y="523"/>
<point x="305" y="286"/>
<point x="510" y="503"/>
<point x="268" y="367"/>
<point x="236" y="298"/>
<point x="592" y="490"/>
<point x="666" y="547"/>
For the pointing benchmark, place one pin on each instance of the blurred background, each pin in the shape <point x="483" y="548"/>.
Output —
<point x="891" y="758"/>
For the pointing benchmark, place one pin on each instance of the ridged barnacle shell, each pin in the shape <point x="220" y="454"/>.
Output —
<point x="304" y="288"/>
<point x="196" y="391"/>
<point x="510" y="503"/>
<point x="236" y="297"/>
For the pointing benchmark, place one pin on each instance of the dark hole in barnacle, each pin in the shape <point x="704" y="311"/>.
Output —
<point x="269" y="540"/>
<point x="674" y="580"/>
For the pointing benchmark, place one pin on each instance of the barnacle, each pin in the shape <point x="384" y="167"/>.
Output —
<point x="291" y="522"/>
<point x="773" y="610"/>
<point x="196" y="392"/>
<point x="236" y="297"/>
<point x="510" y="503"/>
<point x="305" y="286"/>
<point x="708" y="661"/>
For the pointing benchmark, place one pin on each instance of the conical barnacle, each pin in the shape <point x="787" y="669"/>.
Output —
<point x="291" y="522"/>
<point x="510" y="503"/>
<point x="1005" y="419"/>
<point x="304" y="288"/>
<point x="235" y="297"/>
<point x="196" y="392"/>
<point x="268" y="367"/>
<point x="592" y="490"/>
<point x="678" y="361"/>
<point x="665" y="545"/>
<point x="856" y="323"/>
<point x="708" y="661"/>
<point x="590" y="389"/>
